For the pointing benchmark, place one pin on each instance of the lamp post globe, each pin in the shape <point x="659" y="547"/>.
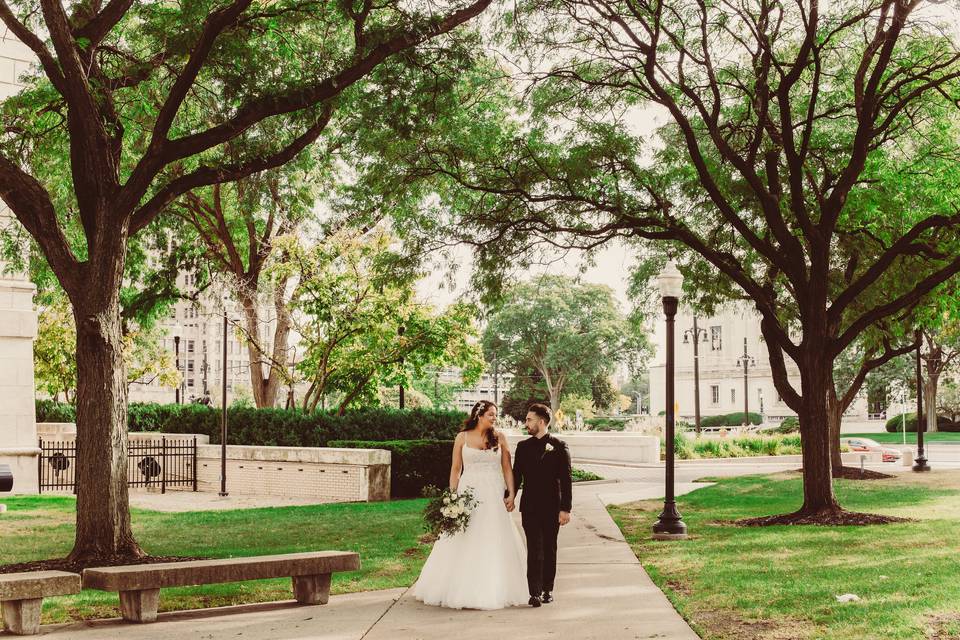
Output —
<point x="670" y="281"/>
<point x="670" y="525"/>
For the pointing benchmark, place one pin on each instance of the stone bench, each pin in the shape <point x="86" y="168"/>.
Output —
<point x="139" y="585"/>
<point x="22" y="597"/>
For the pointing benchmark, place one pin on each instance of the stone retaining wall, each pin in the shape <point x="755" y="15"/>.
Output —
<point x="329" y="475"/>
<point x="323" y="474"/>
<point x="608" y="446"/>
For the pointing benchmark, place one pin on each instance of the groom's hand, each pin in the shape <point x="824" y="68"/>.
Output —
<point x="564" y="518"/>
<point x="509" y="504"/>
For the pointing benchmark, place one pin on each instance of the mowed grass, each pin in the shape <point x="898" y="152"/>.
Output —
<point x="897" y="438"/>
<point x="385" y="534"/>
<point x="782" y="582"/>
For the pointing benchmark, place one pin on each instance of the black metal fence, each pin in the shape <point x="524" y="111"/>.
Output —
<point x="161" y="463"/>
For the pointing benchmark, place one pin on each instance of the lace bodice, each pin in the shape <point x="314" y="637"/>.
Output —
<point x="481" y="460"/>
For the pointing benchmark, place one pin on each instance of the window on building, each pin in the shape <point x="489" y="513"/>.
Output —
<point x="189" y="366"/>
<point x="716" y="339"/>
<point x="715" y="394"/>
<point x="189" y="382"/>
<point x="733" y="396"/>
<point x="191" y="346"/>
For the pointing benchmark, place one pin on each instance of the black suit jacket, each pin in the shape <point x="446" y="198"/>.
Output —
<point x="546" y="479"/>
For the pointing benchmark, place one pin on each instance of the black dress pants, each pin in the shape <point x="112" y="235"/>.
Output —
<point x="541" y="530"/>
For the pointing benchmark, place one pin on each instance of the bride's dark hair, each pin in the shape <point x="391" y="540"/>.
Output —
<point x="474" y="419"/>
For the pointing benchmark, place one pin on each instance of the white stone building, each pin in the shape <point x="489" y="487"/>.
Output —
<point x="490" y="387"/>
<point x="721" y="349"/>
<point x="18" y="325"/>
<point x="199" y="328"/>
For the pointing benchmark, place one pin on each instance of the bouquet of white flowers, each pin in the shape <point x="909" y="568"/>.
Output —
<point x="448" y="512"/>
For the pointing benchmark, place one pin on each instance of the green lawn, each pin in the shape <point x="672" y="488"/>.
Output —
<point x="385" y="534"/>
<point x="897" y="438"/>
<point x="782" y="582"/>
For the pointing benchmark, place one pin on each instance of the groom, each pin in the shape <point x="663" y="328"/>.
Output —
<point x="542" y="468"/>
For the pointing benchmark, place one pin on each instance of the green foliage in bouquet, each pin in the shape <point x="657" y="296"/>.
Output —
<point x="447" y="512"/>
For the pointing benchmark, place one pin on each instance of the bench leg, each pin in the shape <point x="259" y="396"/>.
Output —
<point x="139" y="606"/>
<point x="22" y="617"/>
<point x="312" y="589"/>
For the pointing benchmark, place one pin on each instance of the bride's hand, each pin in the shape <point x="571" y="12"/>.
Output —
<point x="509" y="503"/>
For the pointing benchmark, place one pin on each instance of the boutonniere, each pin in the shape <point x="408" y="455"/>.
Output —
<point x="548" y="448"/>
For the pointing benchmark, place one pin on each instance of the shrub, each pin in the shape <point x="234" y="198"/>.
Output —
<point x="581" y="475"/>
<point x="605" y="424"/>
<point x="53" y="411"/>
<point x="279" y="427"/>
<point x="729" y="420"/>
<point x="681" y="447"/>
<point x="895" y="424"/>
<point x="790" y="424"/>
<point x="414" y="464"/>
<point x="737" y="447"/>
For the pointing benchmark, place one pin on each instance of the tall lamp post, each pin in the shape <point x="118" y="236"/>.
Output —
<point x="400" y="333"/>
<point x="746" y="361"/>
<point x="176" y="352"/>
<point x="695" y="332"/>
<point x="670" y="525"/>
<point x="921" y="462"/>
<point x="223" y="408"/>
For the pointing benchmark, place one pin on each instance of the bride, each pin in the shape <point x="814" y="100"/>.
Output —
<point x="482" y="567"/>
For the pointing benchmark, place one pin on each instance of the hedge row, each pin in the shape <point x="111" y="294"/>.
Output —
<point x="414" y="464"/>
<point x="729" y="420"/>
<point x="895" y="424"/>
<point x="279" y="427"/>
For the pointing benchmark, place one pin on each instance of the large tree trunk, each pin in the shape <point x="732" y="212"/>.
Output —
<point x="266" y="386"/>
<point x="817" y="439"/>
<point x="103" y="512"/>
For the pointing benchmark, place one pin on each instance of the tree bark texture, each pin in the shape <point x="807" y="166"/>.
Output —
<point x="103" y="515"/>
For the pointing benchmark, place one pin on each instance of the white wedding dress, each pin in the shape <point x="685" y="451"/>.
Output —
<point x="484" y="566"/>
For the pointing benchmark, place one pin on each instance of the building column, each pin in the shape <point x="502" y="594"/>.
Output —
<point x="18" y="424"/>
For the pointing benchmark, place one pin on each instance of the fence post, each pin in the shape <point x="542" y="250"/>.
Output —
<point x="76" y="459"/>
<point x="40" y="469"/>
<point x="163" y="466"/>
<point x="194" y="463"/>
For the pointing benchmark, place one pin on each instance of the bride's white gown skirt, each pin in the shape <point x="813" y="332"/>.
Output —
<point x="485" y="566"/>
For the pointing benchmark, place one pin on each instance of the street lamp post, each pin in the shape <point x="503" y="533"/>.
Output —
<point x="670" y="525"/>
<point x="921" y="462"/>
<point x="400" y="332"/>
<point x="176" y="355"/>
<point x="695" y="332"/>
<point x="223" y="409"/>
<point x="746" y="361"/>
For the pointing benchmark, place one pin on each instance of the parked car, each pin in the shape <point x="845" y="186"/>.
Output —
<point x="872" y="446"/>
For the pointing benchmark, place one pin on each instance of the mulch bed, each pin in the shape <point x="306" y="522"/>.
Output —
<point x="63" y="564"/>
<point x="855" y="473"/>
<point x="839" y="518"/>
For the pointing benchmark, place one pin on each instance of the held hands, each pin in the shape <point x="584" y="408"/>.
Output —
<point x="508" y="502"/>
<point x="564" y="518"/>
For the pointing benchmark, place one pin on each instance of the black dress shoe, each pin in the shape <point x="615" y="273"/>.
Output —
<point x="546" y="598"/>
<point x="534" y="601"/>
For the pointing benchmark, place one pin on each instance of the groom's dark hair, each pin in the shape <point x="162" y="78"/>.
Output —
<point x="541" y="410"/>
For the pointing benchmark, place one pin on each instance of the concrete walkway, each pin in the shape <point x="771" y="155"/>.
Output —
<point x="602" y="593"/>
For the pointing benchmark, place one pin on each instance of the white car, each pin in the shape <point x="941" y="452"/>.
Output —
<point x="866" y="444"/>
